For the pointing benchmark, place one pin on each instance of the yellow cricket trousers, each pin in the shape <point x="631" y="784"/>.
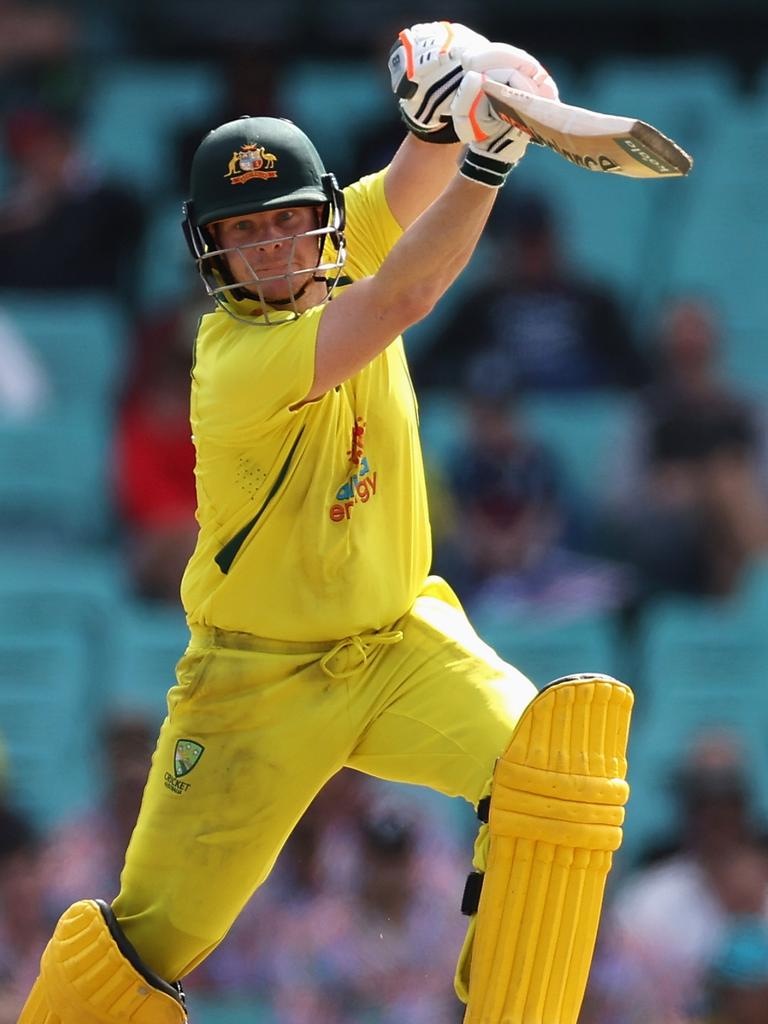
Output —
<point x="256" y="727"/>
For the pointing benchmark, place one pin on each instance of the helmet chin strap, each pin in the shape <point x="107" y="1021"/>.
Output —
<point x="300" y="292"/>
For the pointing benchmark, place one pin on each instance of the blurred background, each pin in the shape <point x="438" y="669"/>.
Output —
<point x="592" y="397"/>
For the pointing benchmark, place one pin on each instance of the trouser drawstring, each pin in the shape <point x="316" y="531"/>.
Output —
<point x="363" y="644"/>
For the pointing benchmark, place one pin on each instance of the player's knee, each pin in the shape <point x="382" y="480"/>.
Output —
<point x="90" y="974"/>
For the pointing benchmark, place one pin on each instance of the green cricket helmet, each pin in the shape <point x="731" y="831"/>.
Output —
<point x="253" y="165"/>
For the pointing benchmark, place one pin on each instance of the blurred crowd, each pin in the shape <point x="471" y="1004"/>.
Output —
<point x="359" y="922"/>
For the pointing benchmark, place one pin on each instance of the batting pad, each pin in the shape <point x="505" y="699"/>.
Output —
<point x="556" y="811"/>
<point x="85" y="978"/>
<point x="599" y="142"/>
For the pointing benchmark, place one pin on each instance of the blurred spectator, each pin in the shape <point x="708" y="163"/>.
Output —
<point x="512" y="551"/>
<point x="360" y="919"/>
<point x="24" y="386"/>
<point x="314" y="867"/>
<point x="155" y="462"/>
<point x="249" y="76"/>
<point x="24" y="923"/>
<point x="62" y="224"/>
<point x="386" y="954"/>
<point x="539" y="325"/>
<point x="34" y="32"/>
<point x="376" y="144"/>
<point x="665" y="923"/>
<point x="84" y="856"/>
<point x="689" y="508"/>
<point x="738" y="980"/>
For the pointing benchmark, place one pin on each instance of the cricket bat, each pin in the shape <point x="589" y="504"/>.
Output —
<point x="598" y="142"/>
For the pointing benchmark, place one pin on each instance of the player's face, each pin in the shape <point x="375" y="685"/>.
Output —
<point x="268" y="246"/>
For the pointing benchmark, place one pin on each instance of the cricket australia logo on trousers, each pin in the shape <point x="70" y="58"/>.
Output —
<point x="185" y="757"/>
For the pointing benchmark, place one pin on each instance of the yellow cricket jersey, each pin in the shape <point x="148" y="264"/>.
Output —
<point x="313" y="522"/>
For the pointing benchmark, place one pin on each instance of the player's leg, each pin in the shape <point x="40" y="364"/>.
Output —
<point x="90" y="974"/>
<point x="555" y="810"/>
<point x="249" y="740"/>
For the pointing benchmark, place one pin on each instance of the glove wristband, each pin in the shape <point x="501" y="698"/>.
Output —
<point x="484" y="169"/>
<point x="442" y="136"/>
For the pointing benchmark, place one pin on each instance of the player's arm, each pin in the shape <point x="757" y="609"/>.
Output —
<point x="417" y="175"/>
<point x="368" y="315"/>
<point x="426" y="66"/>
<point x="425" y="72"/>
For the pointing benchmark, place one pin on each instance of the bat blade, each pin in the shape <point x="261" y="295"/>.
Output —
<point x="606" y="143"/>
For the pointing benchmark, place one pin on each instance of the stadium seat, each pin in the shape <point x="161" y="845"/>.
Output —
<point x="580" y="431"/>
<point x="616" y="229"/>
<point x="721" y="249"/>
<point x="230" y="1010"/>
<point x="442" y="425"/>
<point x="81" y="339"/>
<point x="545" y="649"/>
<point x="47" y="720"/>
<point x="150" y="639"/>
<point x="71" y="590"/>
<point x="704" y="668"/>
<point x="136" y="111"/>
<point x="684" y="97"/>
<point x="167" y="271"/>
<point x="314" y="93"/>
<point x="54" y="476"/>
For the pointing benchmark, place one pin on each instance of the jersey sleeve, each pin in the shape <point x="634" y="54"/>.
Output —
<point x="371" y="227"/>
<point x="252" y="377"/>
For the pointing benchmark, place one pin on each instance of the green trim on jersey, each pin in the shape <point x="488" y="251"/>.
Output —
<point x="226" y="556"/>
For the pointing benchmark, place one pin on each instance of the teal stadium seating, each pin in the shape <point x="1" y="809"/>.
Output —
<point x="581" y="431"/>
<point x="545" y="648"/>
<point x="230" y="1010"/>
<point x="73" y="590"/>
<point x="150" y="639"/>
<point x="621" y="230"/>
<point x="46" y="718"/>
<point x="55" y="468"/>
<point x="81" y="338"/>
<point x="167" y="270"/>
<point x="705" y="666"/>
<point x="334" y="103"/>
<point x="54" y="477"/>
<point x="721" y="249"/>
<point x="136" y="111"/>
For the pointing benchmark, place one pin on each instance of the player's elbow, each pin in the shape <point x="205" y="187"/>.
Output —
<point x="417" y="304"/>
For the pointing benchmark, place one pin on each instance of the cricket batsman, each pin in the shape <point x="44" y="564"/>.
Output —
<point x="317" y="638"/>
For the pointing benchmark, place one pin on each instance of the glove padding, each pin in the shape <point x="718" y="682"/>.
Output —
<point x="425" y="72"/>
<point x="495" y="146"/>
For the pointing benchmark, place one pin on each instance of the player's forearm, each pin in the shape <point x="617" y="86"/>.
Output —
<point x="433" y="251"/>
<point x="417" y="176"/>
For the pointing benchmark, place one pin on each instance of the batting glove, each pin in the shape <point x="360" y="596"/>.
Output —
<point x="495" y="146"/>
<point x="425" y="70"/>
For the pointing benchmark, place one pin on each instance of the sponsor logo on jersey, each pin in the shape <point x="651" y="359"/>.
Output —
<point x="251" y="162"/>
<point x="360" y="486"/>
